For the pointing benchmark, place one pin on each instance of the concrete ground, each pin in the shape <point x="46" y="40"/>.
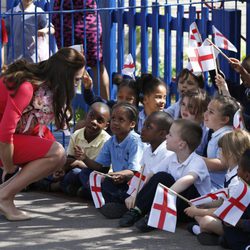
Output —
<point x="60" y="222"/>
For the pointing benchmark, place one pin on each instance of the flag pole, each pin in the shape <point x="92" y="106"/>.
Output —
<point x="173" y="192"/>
<point x="216" y="70"/>
<point x="223" y="54"/>
<point x="139" y="184"/>
<point x="100" y="173"/>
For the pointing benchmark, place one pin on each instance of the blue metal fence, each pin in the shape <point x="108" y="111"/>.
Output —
<point x="155" y="32"/>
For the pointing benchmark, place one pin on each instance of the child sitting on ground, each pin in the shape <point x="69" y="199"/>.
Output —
<point x="218" y="117"/>
<point x="154" y="94"/>
<point x="154" y="131"/>
<point x="193" y="106"/>
<point x="232" y="146"/>
<point x="122" y="151"/>
<point x="186" y="81"/>
<point x="185" y="172"/>
<point x="238" y="237"/>
<point x="91" y="138"/>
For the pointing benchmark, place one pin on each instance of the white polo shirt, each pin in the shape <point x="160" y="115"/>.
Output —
<point x="232" y="176"/>
<point x="193" y="164"/>
<point x="155" y="162"/>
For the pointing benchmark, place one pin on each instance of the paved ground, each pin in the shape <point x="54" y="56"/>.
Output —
<point x="63" y="223"/>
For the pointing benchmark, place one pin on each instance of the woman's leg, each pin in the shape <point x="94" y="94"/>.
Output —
<point x="104" y="80"/>
<point x="31" y="172"/>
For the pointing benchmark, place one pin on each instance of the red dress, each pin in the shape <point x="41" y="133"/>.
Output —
<point x="26" y="147"/>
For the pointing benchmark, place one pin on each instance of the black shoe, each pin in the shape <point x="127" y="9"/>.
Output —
<point x="129" y="218"/>
<point x="208" y="239"/>
<point x="142" y="225"/>
<point x="84" y="193"/>
<point x="223" y="243"/>
<point x="113" y="210"/>
<point x="190" y="227"/>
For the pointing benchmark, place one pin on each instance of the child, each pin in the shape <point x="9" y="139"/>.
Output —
<point x="91" y="138"/>
<point x="185" y="172"/>
<point x="232" y="146"/>
<point x="186" y="81"/>
<point x="238" y="237"/>
<point x="219" y="118"/>
<point x="154" y="131"/>
<point x="240" y="92"/>
<point x="127" y="91"/>
<point x="193" y="106"/>
<point x="22" y="28"/>
<point x="123" y="151"/>
<point x="154" y="94"/>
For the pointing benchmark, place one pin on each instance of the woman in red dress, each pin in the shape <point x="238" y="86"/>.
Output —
<point x="31" y="95"/>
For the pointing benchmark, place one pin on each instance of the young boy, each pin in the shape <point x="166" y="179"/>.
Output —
<point x="24" y="30"/>
<point x="154" y="131"/>
<point x="238" y="237"/>
<point x="91" y="138"/>
<point x="186" y="173"/>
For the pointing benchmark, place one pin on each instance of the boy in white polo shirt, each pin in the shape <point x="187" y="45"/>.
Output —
<point x="186" y="173"/>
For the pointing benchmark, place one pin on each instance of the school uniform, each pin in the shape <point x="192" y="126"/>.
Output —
<point x="175" y="170"/>
<point x="121" y="156"/>
<point x="217" y="177"/>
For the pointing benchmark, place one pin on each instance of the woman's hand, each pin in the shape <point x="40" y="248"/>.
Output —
<point x="6" y="156"/>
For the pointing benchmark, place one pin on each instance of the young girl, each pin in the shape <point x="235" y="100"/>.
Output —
<point x="219" y="118"/>
<point x="154" y="93"/>
<point x="127" y="91"/>
<point x="123" y="151"/>
<point x="193" y="106"/>
<point x="186" y="81"/>
<point x="232" y="146"/>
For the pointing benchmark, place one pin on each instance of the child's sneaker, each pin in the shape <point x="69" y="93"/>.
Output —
<point x="113" y="210"/>
<point x="208" y="239"/>
<point x="193" y="228"/>
<point x="129" y="218"/>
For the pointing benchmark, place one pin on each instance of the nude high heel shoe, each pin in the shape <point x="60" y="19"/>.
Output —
<point x="15" y="217"/>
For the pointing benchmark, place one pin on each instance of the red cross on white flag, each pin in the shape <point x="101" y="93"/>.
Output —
<point x="238" y="120"/>
<point x="163" y="213"/>
<point x="207" y="198"/>
<point x="95" y="182"/>
<point x="194" y="37"/>
<point x="202" y="58"/>
<point x="232" y="209"/>
<point x="133" y="183"/>
<point x="221" y="41"/>
<point x="129" y="66"/>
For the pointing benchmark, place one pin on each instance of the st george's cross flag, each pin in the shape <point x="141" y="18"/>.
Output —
<point x="163" y="214"/>
<point x="232" y="209"/>
<point x="134" y="182"/>
<point x="129" y="66"/>
<point x="95" y="182"/>
<point x="238" y="122"/>
<point x="202" y="58"/>
<point x="207" y="198"/>
<point x="221" y="41"/>
<point x="194" y="36"/>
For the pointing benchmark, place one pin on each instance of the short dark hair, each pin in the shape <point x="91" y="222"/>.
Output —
<point x="130" y="109"/>
<point x="245" y="161"/>
<point x="162" y="119"/>
<point x="190" y="132"/>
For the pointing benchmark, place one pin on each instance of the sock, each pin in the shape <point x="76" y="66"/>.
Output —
<point x="196" y="229"/>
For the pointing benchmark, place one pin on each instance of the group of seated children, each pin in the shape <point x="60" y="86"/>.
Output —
<point x="190" y="147"/>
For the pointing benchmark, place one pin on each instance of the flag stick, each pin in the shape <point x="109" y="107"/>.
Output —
<point x="100" y="173"/>
<point x="219" y="50"/>
<point x="138" y="184"/>
<point x="172" y="191"/>
<point x="216" y="70"/>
